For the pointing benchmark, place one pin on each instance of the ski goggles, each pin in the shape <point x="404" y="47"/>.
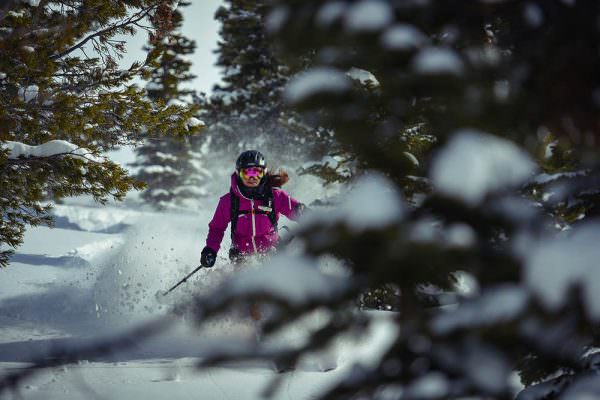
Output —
<point x="247" y="173"/>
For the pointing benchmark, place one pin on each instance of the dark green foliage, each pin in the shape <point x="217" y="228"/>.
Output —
<point x="385" y="297"/>
<point x="169" y="167"/>
<point x="59" y="79"/>
<point x="337" y="167"/>
<point x="245" y="105"/>
<point x="246" y="110"/>
<point x="523" y="71"/>
<point x="526" y="71"/>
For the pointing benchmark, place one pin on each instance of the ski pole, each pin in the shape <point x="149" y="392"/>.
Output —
<point x="183" y="280"/>
<point x="287" y="240"/>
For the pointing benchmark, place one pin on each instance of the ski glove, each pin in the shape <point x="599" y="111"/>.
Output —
<point x="208" y="257"/>
<point x="300" y="209"/>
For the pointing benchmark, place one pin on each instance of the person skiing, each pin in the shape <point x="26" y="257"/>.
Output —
<point x="252" y="205"/>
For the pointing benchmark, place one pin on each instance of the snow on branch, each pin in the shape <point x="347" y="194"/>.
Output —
<point x="496" y="305"/>
<point x="317" y="81"/>
<point x="293" y="279"/>
<point x="474" y="164"/>
<point x="556" y="265"/>
<point x="373" y="203"/>
<point x="5" y="7"/>
<point x="52" y="148"/>
<point x="194" y="122"/>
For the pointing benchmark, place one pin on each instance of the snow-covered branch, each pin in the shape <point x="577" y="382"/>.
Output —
<point x="5" y="7"/>
<point x="53" y="148"/>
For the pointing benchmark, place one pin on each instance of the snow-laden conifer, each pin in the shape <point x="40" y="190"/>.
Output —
<point x="61" y="80"/>
<point x="169" y="166"/>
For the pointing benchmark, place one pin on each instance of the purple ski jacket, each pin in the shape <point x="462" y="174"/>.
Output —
<point x="254" y="233"/>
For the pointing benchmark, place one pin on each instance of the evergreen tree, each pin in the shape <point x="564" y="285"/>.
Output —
<point x="474" y="90"/>
<point x="59" y="80"/>
<point x="523" y="71"/>
<point x="168" y="166"/>
<point x="246" y="110"/>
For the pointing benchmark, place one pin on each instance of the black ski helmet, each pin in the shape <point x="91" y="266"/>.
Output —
<point x="250" y="158"/>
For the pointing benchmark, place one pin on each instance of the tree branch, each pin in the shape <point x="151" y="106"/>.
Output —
<point x="5" y="7"/>
<point x="26" y="160"/>
<point x="132" y="20"/>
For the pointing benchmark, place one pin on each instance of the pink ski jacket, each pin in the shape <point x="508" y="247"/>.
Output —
<point x="254" y="232"/>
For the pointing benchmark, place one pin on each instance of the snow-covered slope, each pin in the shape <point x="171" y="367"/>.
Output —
<point x="100" y="274"/>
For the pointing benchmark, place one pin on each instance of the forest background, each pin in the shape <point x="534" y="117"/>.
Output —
<point x="464" y="135"/>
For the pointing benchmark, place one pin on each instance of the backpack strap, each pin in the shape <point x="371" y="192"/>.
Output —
<point x="235" y="211"/>
<point x="271" y="204"/>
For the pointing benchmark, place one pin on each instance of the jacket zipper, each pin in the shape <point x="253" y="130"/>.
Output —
<point x="253" y="225"/>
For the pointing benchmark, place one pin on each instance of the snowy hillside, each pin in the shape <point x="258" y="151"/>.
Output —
<point x="100" y="273"/>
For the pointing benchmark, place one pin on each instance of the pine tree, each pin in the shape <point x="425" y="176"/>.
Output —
<point x="60" y="80"/>
<point x="523" y="71"/>
<point x="169" y="166"/>
<point x="474" y="89"/>
<point x="246" y="110"/>
<point x="527" y="74"/>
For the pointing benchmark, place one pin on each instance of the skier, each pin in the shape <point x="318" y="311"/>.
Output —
<point x="252" y="205"/>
